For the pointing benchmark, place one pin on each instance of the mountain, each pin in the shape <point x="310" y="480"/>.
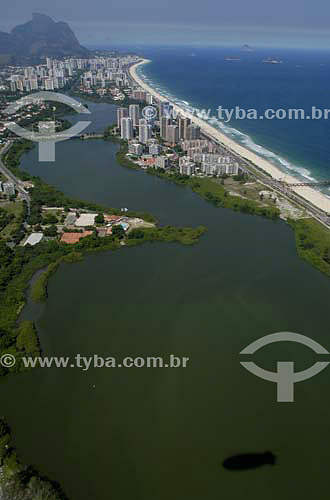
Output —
<point x="247" y="48"/>
<point x="39" y="38"/>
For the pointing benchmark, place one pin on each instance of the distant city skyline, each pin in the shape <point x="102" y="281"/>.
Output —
<point x="298" y="23"/>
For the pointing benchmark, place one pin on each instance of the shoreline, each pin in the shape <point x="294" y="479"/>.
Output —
<point x="311" y="195"/>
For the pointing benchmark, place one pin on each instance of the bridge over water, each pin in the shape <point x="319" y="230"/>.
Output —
<point x="301" y="184"/>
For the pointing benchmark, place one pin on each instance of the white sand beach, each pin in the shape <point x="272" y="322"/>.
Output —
<point x="313" y="196"/>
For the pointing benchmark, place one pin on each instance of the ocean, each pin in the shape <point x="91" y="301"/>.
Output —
<point x="203" y="78"/>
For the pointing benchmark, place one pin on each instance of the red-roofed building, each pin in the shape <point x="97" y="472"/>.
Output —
<point x="112" y="218"/>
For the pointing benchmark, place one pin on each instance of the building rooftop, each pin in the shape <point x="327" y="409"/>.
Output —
<point x="85" y="220"/>
<point x="70" y="219"/>
<point x="34" y="238"/>
<point x="112" y="218"/>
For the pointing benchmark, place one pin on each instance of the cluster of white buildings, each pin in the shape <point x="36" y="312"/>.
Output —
<point x="216" y="164"/>
<point x="108" y="75"/>
<point x="50" y="76"/>
<point x="56" y="74"/>
<point x="7" y="188"/>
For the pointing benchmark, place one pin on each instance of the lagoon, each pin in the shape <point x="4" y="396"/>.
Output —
<point x="144" y="433"/>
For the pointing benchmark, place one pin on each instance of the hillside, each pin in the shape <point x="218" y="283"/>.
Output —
<point x="39" y="38"/>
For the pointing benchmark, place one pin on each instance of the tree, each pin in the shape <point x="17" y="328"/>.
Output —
<point x="50" y="231"/>
<point x="50" y="219"/>
<point x="118" y="231"/>
<point x="136" y="233"/>
<point x="99" y="219"/>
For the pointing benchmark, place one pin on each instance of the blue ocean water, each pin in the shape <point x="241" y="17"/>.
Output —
<point x="203" y="78"/>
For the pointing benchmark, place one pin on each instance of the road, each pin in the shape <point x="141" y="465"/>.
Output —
<point x="11" y="177"/>
<point x="277" y="186"/>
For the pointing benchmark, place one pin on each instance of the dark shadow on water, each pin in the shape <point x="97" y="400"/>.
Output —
<point x="249" y="461"/>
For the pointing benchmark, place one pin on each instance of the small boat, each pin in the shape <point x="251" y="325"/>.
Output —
<point x="249" y="461"/>
<point x="272" y="60"/>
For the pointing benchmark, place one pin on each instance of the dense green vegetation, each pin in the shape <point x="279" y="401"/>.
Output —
<point x="39" y="288"/>
<point x="99" y="219"/>
<point x="184" y="235"/>
<point x="16" y="215"/>
<point x="5" y="218"/>
<point x="19" y="481"/>
<point x="27" y="339"/>
<point x="313" y="243"/>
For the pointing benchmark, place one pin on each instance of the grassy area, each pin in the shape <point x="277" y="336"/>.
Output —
<point x="313" y="243"/>
<point x="212" y="190"/>
<point x="246" y="190"/>
<point x="15" y="209"/>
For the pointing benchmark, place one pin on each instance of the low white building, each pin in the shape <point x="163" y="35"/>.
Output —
<point x="33" y="239"/>
<point x="8" y="188"/>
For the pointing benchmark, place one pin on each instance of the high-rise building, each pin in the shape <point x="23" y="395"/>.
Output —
<point x="183" y="124"/>
<point x="126" y="128"/>
<point x="34" y="83"/>
<point x="172" y="134"/>
<point x="134" y="113"/>
<point x="49" y="84"/>
<point x="192" y="132"/>
<point x="164" y="123"/>
<point x="121" y="113"/>
<point x="144" y="131"/>
<point x="20" y="85"/>
<point x="165" y="110"/>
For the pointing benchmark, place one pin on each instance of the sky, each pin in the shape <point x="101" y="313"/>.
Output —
<point x="294" y="23"/>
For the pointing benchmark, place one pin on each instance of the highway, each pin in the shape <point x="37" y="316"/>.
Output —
<point x="279" y="187"/>
<point x="11" y="177"/>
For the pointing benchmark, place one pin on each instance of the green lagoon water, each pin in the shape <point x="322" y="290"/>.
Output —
<point x="155" y="434"/>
